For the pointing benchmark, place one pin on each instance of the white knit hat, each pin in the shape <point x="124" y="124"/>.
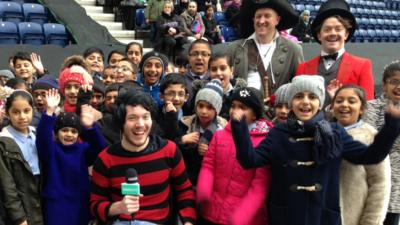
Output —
<point x="212" y="93"/>
<point x="311" y="83"/>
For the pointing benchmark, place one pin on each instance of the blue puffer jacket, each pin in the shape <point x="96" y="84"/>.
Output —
<point x="153" y="90"/>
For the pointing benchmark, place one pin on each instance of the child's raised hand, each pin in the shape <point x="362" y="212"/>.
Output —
<point x="191" y="138"/>
<point x="87" y="116"/>
<point x="332" y="88"/>
<point x="52" y="101"/>
<point x="37" y="63"/>
<point x="169" y="107"/>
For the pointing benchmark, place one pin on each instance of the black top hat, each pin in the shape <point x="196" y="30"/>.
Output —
<point x="288" y="14"/>
<point x="332" y="8"/>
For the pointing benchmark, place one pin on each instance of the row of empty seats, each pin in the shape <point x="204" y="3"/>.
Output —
<point x="378" y="35"/>
<point x="374" y="13"/>
<point x="20" y="1"/>
<point x="352" y="3"/>
<point x="33" y="33"/>
<point x="372" y="23"/>
<point x="29" y="12"/>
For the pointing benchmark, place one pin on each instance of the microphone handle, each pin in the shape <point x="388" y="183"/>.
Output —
<point x="132" y="219"/>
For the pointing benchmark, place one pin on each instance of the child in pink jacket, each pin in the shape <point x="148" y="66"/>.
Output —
<point x="227" y="193"/>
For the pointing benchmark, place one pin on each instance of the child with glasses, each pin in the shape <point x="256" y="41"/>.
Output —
<point x="375" y="115"/>
<point x="174" y="94"/>
<point x="125" y="70"/>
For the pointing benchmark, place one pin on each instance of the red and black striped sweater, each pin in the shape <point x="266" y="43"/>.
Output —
<point x="159" y="167"/>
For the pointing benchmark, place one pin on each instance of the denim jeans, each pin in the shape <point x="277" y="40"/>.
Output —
<point x="136" y="222"/>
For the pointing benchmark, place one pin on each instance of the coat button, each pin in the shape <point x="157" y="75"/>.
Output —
<point x="237" y="61"/>
<point x="285" y="49"/>
<point x="281" y="60"/>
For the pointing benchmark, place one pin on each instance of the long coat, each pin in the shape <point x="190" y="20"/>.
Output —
<point x="304" y="192"/>
<point x="352" y="70"/>
<point x="375" y="115"/>
<point x="364" y="189"/>
<point x="285" y="59"/>
<point x="20" y="197"/>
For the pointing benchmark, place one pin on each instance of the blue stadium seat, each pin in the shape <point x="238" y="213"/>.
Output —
<point x="35" y="13"/>
<point x="360" y="12"/>
<point x="379" y="35"/>
<point x="55" y="34"/>
<point x="9" y="33"/>
<point x="372" y="23"/>
<point x="363" y="35"/>
<point x="380" y="24"/>
<point x="368" y="13"/>
<point x="300" y="8"/>
<point x="386" y="35"/>
<point x="363" y="23"/>
<point x="11" y="12"/>
<point x="229" y="33"/>
<point x="394" y="24"/>
<point x="372" y="37"/>
<point x="220" y="18"/>
<point x="140" y="19"/>
<point x="395" y="36"/>
<point x="387" y="24"/>
<point x="374" y="14"/>
<point x="31" y="33"/>
<point x="18" y="1"/>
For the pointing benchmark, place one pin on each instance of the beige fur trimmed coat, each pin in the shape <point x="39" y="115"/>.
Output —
<point x="364" y="189"/>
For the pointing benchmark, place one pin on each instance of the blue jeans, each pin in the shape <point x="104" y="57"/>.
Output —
<point x="136" y="222"/>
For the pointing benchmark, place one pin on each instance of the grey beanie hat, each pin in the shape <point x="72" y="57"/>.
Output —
<point x="212" y="93"/>
<point x="282" y="94"/>
<point x="7" y="73"/>
<point x="311" y="83"/>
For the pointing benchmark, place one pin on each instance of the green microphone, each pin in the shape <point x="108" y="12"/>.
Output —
<point x="131" y="186"/>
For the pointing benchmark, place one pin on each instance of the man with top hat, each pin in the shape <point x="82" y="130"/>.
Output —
<point x="333" y="26"/>
<point x="262" y="57"/>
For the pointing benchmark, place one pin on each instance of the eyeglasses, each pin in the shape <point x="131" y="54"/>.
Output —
<point x="203" y="54"/>
<point x="123" y="69"/>
<point x="394" y="82"/>
<point x="173" y="94"/>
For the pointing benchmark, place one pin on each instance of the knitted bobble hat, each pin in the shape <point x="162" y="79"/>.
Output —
<point x="212" y="93"/>
<point x="67" y="76"/>
<point x="312" y="83"/>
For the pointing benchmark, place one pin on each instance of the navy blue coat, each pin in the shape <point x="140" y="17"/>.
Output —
<point x="283" y="148"/>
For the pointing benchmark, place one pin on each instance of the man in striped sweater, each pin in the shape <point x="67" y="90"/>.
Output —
<point x="158" y="162"/>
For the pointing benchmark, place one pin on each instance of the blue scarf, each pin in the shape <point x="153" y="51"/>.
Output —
<point x="327" y="144"/>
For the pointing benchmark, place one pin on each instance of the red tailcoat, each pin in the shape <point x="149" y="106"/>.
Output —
<point x="352" y="70"/>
